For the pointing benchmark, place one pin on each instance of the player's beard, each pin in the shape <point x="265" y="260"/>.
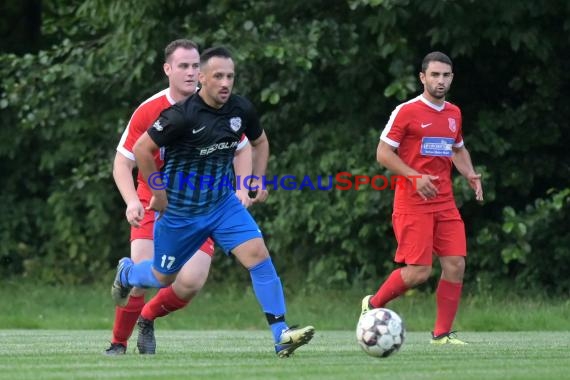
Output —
<point x="437" y="94"/>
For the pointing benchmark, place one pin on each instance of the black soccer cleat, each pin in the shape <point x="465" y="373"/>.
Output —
<point x="146" y="342"/>
<point x="120" y="292"/>
<point x="116" y="349"/>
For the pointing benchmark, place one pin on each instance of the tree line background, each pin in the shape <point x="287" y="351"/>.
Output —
<point x="324" y="75"/>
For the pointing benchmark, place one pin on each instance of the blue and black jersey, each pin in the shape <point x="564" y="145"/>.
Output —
<point x="200" y="142"/>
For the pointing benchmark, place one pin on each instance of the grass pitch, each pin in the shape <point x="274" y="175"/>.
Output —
<point x="221" y="354"/>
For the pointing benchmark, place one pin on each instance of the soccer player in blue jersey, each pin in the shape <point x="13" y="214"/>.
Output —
<point x="200" y="137"/>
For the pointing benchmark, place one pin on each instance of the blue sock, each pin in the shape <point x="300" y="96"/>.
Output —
<point x="269" y="293"/>
<point x="277" y="328"/>
<point x="140" y="275"/>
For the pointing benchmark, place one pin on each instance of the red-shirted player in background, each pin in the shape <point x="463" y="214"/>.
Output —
<point x="182" y="65"/>
<point x="421" y="141"/>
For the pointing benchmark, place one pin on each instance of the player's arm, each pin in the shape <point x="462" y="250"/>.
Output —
<point x="167" y="129"/>
<point x="243" y="167"/>
<point x="260" y="154"/>
<point x="123" y="176"/>
<point x="387" y="157"/>
<point x="462" y="161"/>
<point x="145" y="149"/>
<point x="260" y="157"/>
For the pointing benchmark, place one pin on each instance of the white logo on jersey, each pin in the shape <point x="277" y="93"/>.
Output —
<point x="426" y="125"/>
<point x="235" y="123"/>
<point x="194" y="131"/>
<point x="158" y="126"/>
<point x="218" y="146"/>
<point x="452" y="125"/>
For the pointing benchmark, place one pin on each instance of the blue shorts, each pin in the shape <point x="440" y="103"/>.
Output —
<point x="177" y="238"/>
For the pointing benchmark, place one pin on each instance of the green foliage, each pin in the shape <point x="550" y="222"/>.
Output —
<point x="54" y="100"/>
<point x="528" y="249"/>
<point x="324" y="75"/>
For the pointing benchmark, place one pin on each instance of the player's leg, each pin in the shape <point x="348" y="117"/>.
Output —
<point x="415" y="247"/>
<point x="450" y="246"/>
<point x="176" y="239"/>
<point x="188" y="283"/>
<point x="236" y="231"/>
<point x="142" y="248"/>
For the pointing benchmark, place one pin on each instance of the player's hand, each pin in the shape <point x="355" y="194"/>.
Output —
<point x="425" y="186"/>
<point x="259" y="191"/>
<point x="158" y="202"/>
<point x="244" y="198"/>
<point x="475" y="183"/>
<point x="135" y="213"/>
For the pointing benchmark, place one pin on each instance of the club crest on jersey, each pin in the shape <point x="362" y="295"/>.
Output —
<point x="158" y="126"/>
<point x="452" y="126"/>
<point x="235" y="123"/>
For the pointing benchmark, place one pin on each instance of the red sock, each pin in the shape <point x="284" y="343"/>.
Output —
<point x="393" y="287"/>
<point x="126" y="318"/>
<point x="163" y="303"/>
<point x="447" y="298"/>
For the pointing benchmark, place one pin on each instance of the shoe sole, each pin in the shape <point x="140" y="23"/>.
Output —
<point x="146" y="352"/>
<point x="114" y="353"/>
<point x="442" y="342"/>
<point x="304" y="339"/>
<point x="117" y="297"/>
<point x="117" y="289"/>
<point x="365" y="305"/>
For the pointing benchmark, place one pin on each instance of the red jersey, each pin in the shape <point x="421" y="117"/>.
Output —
<point x="425" y="135"/>
<point x="141" y="120"/>
<point x="143" y="117"/>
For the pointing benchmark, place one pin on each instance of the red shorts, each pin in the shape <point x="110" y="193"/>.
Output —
<point x="420" y="236"/>
<point x="146" y="228"/>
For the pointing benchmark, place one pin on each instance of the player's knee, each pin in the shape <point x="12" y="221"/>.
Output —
<point x="453" y="268"/>
<point x="186" y="291"/>
<point x="137" y="292"/>
<point x="187" y="285"/>
<point x="252" y="253"/>
<point x="460" y="267"/>
<point x="416" y="275"/>
<point x="256" y="249"/>
<point x="423" y="275"/>
<point x="259" y="254"/>
<point x="164" y="279"/>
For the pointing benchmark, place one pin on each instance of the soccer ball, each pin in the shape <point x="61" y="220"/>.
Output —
<point x="380" y="332"/>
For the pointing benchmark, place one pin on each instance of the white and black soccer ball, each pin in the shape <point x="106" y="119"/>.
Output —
<point x="380" y="332"/>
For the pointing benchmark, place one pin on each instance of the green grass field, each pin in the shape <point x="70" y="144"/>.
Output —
<point x="61" y="332"/>
<point x="27" y="306"/>
<point x="231" y="354"/>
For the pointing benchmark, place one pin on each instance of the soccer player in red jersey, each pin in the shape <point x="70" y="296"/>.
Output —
<point x="421" y="141"/>
<point x="182" y="65"/>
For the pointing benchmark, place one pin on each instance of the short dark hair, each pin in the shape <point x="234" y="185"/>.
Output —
<point x="218" y="51"/>
<point x="435" y="56"/>
<point x="180" y="43"/>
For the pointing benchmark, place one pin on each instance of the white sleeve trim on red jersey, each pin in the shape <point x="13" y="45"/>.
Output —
<point x="121" y="147"/>
<point x="243" y="142"/>
<point x="459" y="144"/>
<point x="390" y="142"/>
<point x="384" y="135"/>
<point x="126" y="153"/>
